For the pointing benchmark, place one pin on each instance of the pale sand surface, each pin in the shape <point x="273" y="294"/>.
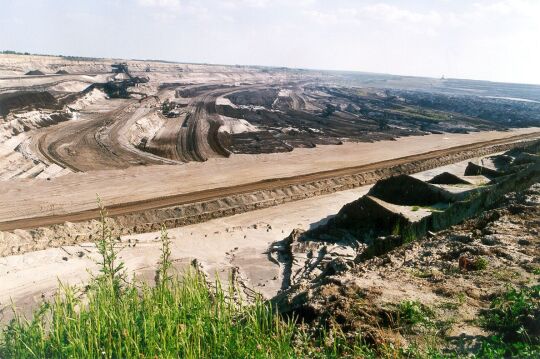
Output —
<point x="26" y="198"/>
<point x="218" y="245"/>
<point x="240" y="241"/>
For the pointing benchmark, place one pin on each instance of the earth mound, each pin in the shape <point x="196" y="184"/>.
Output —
<point x="407" y="190"/>
<point x="448" y="178"/>
<point x="35" y="73"/>
<point x="26" y="99"/>
<point x="477" y="170"/>
<point x="373" y="271"/>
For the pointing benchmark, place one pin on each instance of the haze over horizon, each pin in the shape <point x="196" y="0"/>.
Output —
<point x="483" y="40"/>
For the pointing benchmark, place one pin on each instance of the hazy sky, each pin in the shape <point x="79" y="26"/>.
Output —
<point x="479" y="39"/>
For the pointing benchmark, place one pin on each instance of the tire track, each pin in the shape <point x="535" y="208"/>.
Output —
<point x="413" y="163"/>
<point x="93" y="144"/>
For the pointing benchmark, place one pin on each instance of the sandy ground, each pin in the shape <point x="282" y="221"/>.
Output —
<point x="240" y="242"/>
<point x="219" y="245"/>
<point x="28" y="198"/>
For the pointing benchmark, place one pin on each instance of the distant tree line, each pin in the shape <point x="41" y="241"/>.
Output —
<point x="73" y="58"/>
<point x="11" y="52"/>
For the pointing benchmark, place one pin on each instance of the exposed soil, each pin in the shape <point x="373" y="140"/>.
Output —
<point x="29" y="100"/>
<point x="223" y="202"/>
<point x="283" y="109"/>
<point x="348" y="274"/>
<point x="365" y="299"/>
<point x="187" y="143"/>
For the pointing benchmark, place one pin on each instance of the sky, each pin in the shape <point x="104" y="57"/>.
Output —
<point x="497" y="40"/>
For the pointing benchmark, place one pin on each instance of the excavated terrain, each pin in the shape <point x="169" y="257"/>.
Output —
<point x="264" y="195"/>
<point x="186" y="145"/>
<point x="79" y="115"/>
<point x="447" y="249"/>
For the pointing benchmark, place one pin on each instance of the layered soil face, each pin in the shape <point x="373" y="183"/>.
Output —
<point x="364" y="270"/>
<point x="307" y="115"/>
<point x="439" y="275"/>
<point x="208" y="112"/>
<point x="225" y="202"/>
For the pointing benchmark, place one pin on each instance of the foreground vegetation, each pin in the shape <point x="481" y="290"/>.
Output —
<point x="189" y="317"/>
<point x="176" y="317"/>
<point x="515" y="318"/>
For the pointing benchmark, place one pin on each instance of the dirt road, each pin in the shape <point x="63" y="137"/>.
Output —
<point x="28" y="204"/>
<point x="94" y="142"/>
<point x="98" y="141"/>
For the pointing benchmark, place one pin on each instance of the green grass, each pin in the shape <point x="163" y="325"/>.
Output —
<point x="411" y="312"/>
<point x="513" y="317"/>
<point x="514" y="312"/>
<point x="115" y="318"/>
<point x="421" y="273"/>
<point x="174" y="318"/>
<point x="180" y="319"/>
<point x="480" y="263"/>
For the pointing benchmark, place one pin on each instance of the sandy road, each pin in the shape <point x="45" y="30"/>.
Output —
<point x="137" y="193"/>
<point x="194" y="137"/>
<point x="93" y="143"/>
<point x="197" y="140"/>
<point x="98" y="141"/>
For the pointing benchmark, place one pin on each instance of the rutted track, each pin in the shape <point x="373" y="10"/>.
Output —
<point x="198" y="139"/>
<point x="317" y="183"/>
<point x="93" y="143"/>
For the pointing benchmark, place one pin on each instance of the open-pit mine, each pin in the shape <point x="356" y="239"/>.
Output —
<point x="301" y="183"/>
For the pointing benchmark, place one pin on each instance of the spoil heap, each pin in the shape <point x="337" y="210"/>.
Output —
<point x="383" y="273"/>
<point x="396" y="211"/>
<point x="34" y="73"/>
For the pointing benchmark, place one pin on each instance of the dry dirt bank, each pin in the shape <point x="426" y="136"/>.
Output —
<point x="219" y="245"/>
<point x="226" y="202"/>
<point x="29" y="203"/>
<point x="436" y="276"/>
<point x="369" y="267"/>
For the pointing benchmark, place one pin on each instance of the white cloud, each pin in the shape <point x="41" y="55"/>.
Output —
<point x="525" y="8"/>
<point x="168" y="10"/>
<point x="382" y="11"/>
<point x="264" y="3"/>
<point x="391" y="13"/>
<point x="377" y="12"/>
<point x="490" y="39"/>
<point x="164" y="4"/>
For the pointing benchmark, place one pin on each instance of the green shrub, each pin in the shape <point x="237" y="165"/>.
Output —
<point x="174" y="318"/>
<point x="412" y="312"/>
<point x="514" y="316"/>
<point x="480" y="263"/>
<point x="495" y="347"/>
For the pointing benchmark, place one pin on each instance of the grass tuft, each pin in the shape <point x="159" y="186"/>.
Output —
<point x="174" y="318"/>
<point x="514" y="317"/>
<point x="411" y="312"/>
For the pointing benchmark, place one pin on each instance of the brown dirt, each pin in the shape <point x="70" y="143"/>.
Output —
<point x="410" y="286"/>
<point x="365" y="299"/>
<point x="220" y="203"/>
